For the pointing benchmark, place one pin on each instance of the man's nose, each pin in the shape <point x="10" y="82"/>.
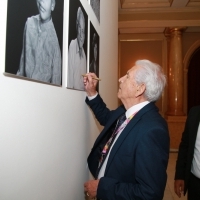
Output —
<point x="121" y="79"/>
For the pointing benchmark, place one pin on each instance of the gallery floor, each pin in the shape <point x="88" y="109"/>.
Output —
<point x="169" y="191"/>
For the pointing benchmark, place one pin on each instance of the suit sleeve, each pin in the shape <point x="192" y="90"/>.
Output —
<point x="101" y="112"/>
<point x="183" y="151"/>
<point x="150" y="165"/>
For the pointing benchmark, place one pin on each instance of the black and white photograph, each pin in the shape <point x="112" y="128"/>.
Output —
<point x="94" y="51"/>
<point x="95" y="4"/>
<point x="34" y="40"/>
<point x="77" y="51"/>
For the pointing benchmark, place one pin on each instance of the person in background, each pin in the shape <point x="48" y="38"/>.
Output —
<point x="130" y="156"/>
<point x="187" y="174"/>
<point x="41" y="56"/>
<point x="76" y="55"/>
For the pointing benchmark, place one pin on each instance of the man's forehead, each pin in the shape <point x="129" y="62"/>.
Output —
<point x="133" y="69"/>
<point x="130" y="70"/>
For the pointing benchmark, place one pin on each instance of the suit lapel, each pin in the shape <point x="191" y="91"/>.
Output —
<point x="117" y="114"/>
<point x="197" y="119"/>
<point x="195" y="125"/>
<point x="127" y="131"/>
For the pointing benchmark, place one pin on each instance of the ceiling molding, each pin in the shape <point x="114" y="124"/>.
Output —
<point x="151" y="16"/>
<point x="158" y="23"/>
<point x="160" y="10"/>
<point x="179" y="3"/>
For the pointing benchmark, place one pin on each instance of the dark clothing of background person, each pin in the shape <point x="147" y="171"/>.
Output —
<point x="186" y="155"/>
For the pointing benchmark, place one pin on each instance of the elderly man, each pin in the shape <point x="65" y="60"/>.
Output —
<point x="129" y="158"/>
<point x="76" y="56"/>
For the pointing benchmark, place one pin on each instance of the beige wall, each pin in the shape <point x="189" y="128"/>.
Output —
<point x="133" y="47"/>
<point x="47" y="132"/>
<point x="136" y="50"/>
<point x="188" y="39"/>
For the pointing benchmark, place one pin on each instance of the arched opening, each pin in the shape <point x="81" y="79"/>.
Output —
<point x="194" y="80"/>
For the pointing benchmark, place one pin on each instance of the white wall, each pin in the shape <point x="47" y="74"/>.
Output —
<point x="46" y="132"/>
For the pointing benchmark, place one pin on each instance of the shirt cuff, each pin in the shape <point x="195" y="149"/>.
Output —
<point x="92" y="97"/>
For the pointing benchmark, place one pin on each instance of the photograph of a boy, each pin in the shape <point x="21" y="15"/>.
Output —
<point x="40" y="57"/>
<point x="77" y="52"/>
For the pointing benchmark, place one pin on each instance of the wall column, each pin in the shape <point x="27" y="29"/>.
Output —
<point x="175" y="115"/>
<point x="175" y="73"/>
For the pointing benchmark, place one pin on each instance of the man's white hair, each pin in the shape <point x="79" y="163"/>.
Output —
<point x="152" y="76"/>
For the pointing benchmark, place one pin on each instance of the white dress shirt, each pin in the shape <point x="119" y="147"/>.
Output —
<point x="195" y="169"/>
<point x="129" y="112"/>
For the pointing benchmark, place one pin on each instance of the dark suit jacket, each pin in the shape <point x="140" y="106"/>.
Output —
<point x="136" y="167"/>
<point x="186" y="147"/>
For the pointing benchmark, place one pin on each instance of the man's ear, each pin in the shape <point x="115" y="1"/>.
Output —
<point x="140" y="90"/>
<point x="53" y="4"/>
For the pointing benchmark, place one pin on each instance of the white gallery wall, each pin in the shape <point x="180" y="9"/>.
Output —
<point x="46" y="132"/>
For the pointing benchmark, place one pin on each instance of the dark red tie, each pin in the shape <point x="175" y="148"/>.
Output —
<point x="109" y="143"/>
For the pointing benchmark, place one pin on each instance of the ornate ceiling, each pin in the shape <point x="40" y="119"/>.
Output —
<point x="154" y="16"/>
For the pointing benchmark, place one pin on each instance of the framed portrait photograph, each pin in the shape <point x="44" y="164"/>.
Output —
<point x="94" y="51"/>
<point x="77" y="45"/>
<point x="95" y="4"/>
<point x="34" y="40"/>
